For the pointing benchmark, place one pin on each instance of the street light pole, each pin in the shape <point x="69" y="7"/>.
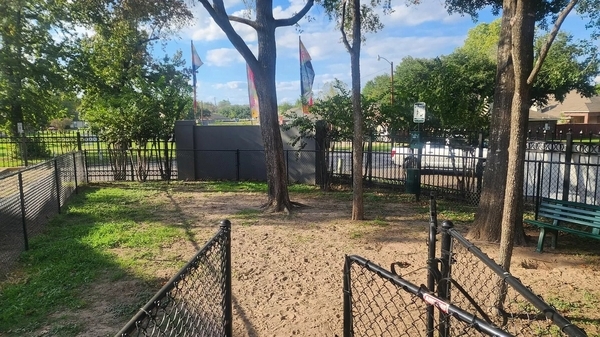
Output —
<point x="391" y="76"/>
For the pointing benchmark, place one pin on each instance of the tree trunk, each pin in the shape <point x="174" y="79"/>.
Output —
<point x="15" y="77"/>
<point x="523" y="31"/>
<point x="358" y="209"/>
<point x="489" y="215"/>
<point x="278" y="196"/>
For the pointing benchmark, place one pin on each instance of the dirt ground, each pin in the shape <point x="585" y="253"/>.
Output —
<point x="287" y="270"/>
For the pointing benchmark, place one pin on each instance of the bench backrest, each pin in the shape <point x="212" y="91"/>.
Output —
<point x="573" y="212"/>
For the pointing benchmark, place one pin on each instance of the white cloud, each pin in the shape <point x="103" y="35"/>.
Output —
<point x="294" y="7"/>
<point x="414" y="15"/>
<point x="230" y="85"/>
<point x="223" y="57"/>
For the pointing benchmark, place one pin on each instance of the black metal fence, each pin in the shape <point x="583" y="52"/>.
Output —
<point x="28" y="198"/>
<point x="196" y="301"/>
<point x="129" y="165"/>
<point x="478" y="284"/>
<point x="564" y="168"/>
<point x="35" y="147"/>
<point x="561" y="166"/>
<point x="466" y="294"/>
<point x="378" y="302"/>
<point x="105" y="163"/>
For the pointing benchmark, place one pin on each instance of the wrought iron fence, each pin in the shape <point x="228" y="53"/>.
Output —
<point x="471" y="294"/>
<point x="28" y="198"/>
<point x="35" y="147"/>
<point x="565" y="168"/>
<point x="196" y="301"/>
<point x="105" y="163"/>
<point x="129" y="165"/>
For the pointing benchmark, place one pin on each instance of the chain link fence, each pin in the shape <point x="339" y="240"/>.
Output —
<point x="475" y="282"/>
<point x="378" y="302"/>
<point x="467" y="294"/>
<point x="29" y="198"/>
<point x="196" y="301"/>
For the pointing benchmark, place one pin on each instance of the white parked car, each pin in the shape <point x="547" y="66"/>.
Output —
<point x="438" y="157"/>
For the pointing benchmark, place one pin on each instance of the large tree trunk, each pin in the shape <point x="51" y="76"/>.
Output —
<point x="358" y="209"/>
<point x="488" y="217"/>
<point x="278" y="196"/>
<point x="523" y="30"/>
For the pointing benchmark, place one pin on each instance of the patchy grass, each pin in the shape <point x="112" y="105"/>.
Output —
<point x="77" y="248"/>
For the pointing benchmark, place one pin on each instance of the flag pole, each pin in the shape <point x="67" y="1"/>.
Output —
<point x="300" y="61"/>
<point x="194" y="81"/>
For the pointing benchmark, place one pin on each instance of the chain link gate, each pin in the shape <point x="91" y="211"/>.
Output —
<point x="467" y="294"/>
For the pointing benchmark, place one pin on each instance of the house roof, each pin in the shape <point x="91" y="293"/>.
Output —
<point x="573" y="103"/>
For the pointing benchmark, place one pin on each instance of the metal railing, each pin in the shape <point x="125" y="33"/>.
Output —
<point x="477" y="283"/>
<point x="466" y="294"/>
<point x="378" y="302"/>
<point x="562" y="169"/>
<point x="30" y="197"/>
<point x="196" y="301"/>
<point x="104" y="162"/>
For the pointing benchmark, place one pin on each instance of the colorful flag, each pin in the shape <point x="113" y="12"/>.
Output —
<point x="196" y="61"/>
<point x="252" y="95"/>
<point x="307" y="77"/>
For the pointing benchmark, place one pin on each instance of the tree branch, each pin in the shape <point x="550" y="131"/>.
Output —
<point x="144" y="41"/>
<point x="219" y="14"/>
<point x="546" y="47"/>
<point x="244" y="21"/>
<point x="342" y="25"/>
<point x="294" y="19"/>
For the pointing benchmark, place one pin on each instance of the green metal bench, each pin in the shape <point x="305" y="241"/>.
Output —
<point x="566" y="216"/>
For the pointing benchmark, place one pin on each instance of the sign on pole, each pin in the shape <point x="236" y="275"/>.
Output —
<point x="20" y="128"/>
<point x="419" y="113"/>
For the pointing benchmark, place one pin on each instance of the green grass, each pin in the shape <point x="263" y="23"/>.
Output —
<point x="76" y="250"/>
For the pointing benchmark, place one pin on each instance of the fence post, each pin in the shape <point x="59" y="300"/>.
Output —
<point x="432" y="265"/>
<point x="78" y="141"/>
<point x="444" y="283"/>
<point x="479" y="165"/>
<point x="23" y="212"/>
<point x="227" y="298"/>
<point x="567" y="176"/>
<point x="538" y="191"/>
<point x="75" y="172"/>
<point x="131" y="164"/>
<point x="370" y="158"/>
<point x="57" y="180"/>
<point x="85" y="167"/>
<point x="348" y="325"/>
<point x="320" y="158"/>
<point x="24" y="149"/>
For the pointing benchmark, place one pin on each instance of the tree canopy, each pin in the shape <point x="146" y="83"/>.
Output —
<point x="32" y="72"/>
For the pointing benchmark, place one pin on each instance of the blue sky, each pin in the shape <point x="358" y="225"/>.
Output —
<point x="426" y="30"/>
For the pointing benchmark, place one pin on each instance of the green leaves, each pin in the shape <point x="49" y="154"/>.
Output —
<point x="32" y="68"/>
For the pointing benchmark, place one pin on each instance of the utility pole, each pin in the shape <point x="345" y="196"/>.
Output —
<point x="392" y="78"/>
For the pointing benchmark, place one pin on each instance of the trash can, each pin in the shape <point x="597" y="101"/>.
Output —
<point x="412" y="183"/>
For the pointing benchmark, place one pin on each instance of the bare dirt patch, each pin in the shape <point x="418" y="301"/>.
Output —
<point x="287" y="270"/>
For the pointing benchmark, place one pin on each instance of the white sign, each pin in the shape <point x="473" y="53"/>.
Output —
<point x="419" y="114"/>
<point x="20" y="128"/>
